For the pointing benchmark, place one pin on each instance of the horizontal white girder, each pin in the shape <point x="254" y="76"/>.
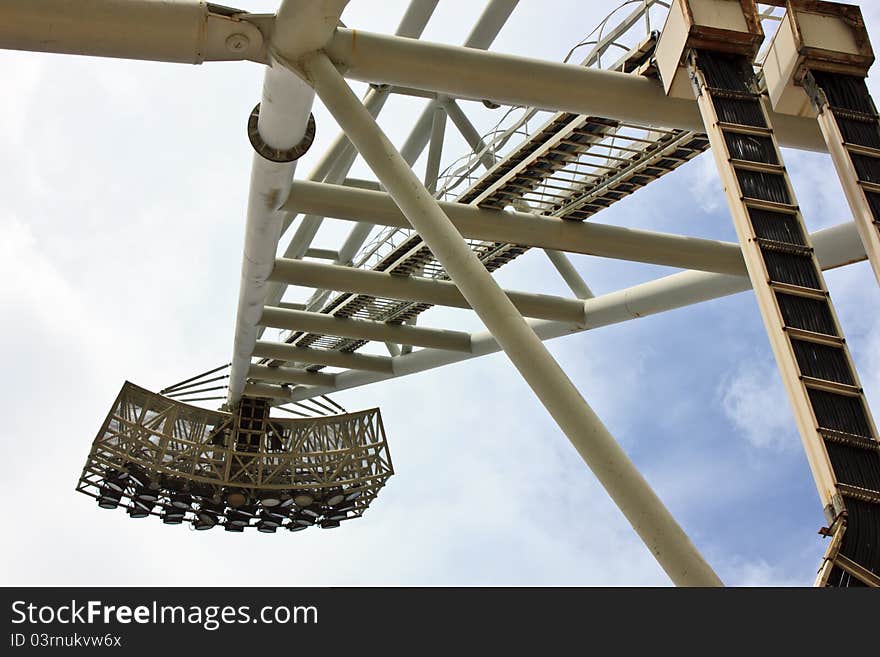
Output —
<point x="290" y="375"/>
<point x="351" y="361"/>
<point x="835" y="247"/>
<point x="512" y="80"/>
<point x="527" y="229"/>
<point x="184" y="31"/>
<point x="411" y="288"/>
<point x="363" y="329"/>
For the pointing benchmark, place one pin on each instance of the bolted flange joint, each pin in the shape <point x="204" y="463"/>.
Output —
<point x="279" y="154"/>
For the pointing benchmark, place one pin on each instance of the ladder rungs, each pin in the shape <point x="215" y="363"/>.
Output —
<point x="771" y="206"/>
<point x="818" y="338"/>
<point x="762" y="167"/>
<point x="853" y="115"/>
<point x="844" y="438"/>
<point x="797" y="290"/>
<point x="730" y="94"/>
<point x="784" y="247"/>
<point x="862" y="150"/>
<point x="850" y="440"/>
<point x="745" y="129"/>
<point x="831" y="386"/>
<point x="864" y="494"/>
<point x="872" y="188"/>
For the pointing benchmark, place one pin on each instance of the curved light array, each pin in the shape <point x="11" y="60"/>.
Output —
<point x="187" y="465"/>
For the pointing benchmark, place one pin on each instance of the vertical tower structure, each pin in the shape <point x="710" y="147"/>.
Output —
<point x="816" y="66"/>
<point x="712" y="44"/>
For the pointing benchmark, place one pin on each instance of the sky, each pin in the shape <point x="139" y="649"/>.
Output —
<point x="124" y="189"/>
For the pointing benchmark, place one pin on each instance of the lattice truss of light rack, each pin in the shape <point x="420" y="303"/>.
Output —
<point x="157" y="456"/>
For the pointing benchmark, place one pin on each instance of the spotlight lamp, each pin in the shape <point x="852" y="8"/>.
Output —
<point x="334" y="497"/>
<point x="317" y="471"/>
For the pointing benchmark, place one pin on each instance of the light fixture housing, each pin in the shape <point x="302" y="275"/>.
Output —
<point x="318" y="466"/>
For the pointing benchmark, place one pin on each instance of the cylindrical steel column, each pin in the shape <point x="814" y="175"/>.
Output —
<point x="626" y="486"/>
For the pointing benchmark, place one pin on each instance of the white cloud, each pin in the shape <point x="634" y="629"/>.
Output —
<point x="754" y="402"/>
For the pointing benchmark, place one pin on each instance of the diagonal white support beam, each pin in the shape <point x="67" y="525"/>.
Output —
<point x="511" y="80"/>
<point x="528" y="229"/>
<point x="410" y="288"/>
<point x="649" y="517"/>
<point x="569" y="274"/>
<point x="364" y="329"/>
<point x="351" y="361"/>
<point x="468" y="131"/>
<point x="341" y="156"/>
<point x="435" y="149"/>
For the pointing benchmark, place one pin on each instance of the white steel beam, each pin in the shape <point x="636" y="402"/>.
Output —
<point x="569" y="274"/>
<point x="435" y="148"/>
<point x="322" y="254"/>
<point x="835" y="247"/>
<point x="512" y="80"/>
<point x="185" y="31"/>
<point x="468" y="131"/>
<point x="289" y="375"/>
<point x="528" y="229"/>
<point x="351" y="361"/>
<point x="646" y="513"/>
<point x="284" y="114"/>
<point x="364" y="329"/>
<point x="268" y="390"/>
<point x="410" y="288"/>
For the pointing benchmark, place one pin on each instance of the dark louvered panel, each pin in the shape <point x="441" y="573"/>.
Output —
<point x="751" y="148"/>
<point x="792" y="269"/>
<point x="807" y="314"/>
<point x="855" y="466"/>
<point x="820" y="361"/>
<point x="840" y="413"/>
<point x="845" y="92"/>
<point x="726" y="72"/>
<point x="859" y="132"/>
<point x="861" y="542"/>
<point x="874" y="204"/>
<point x="742" y="112"/>
<point x="867" y="168"/>
<point x="777" y="226"/>
<point x="763" y="186"/>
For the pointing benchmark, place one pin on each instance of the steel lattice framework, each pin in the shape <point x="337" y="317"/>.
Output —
<point x="170" y="448"/>
<point x="640" y="104"/>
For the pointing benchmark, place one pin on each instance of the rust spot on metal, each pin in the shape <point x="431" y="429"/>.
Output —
<point x="272" y="199"/>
